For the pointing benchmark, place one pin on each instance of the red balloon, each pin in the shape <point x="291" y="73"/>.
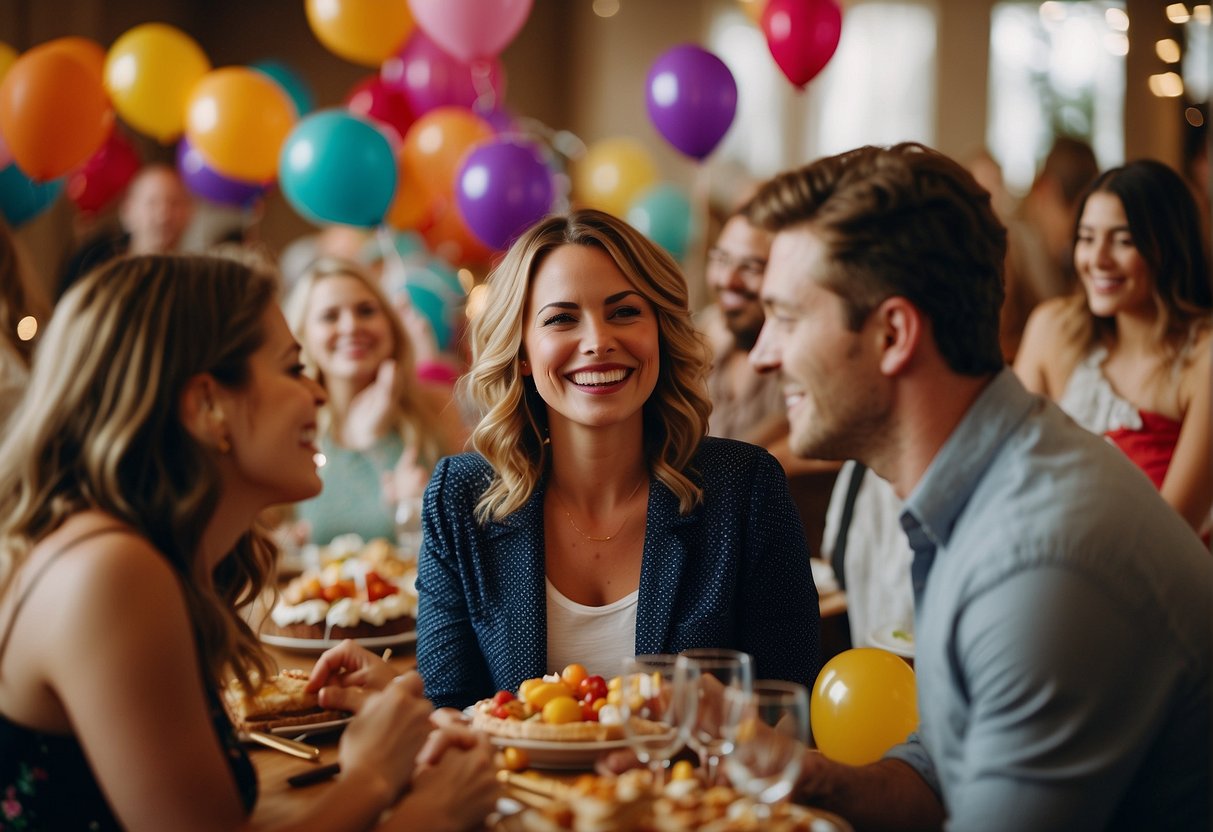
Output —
<point x="802" y="35"/>
<point x="382" y="103"/>
<point x="105" y="174"/>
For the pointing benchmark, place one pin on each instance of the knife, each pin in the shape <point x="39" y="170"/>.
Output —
<point x="287" y="746"/>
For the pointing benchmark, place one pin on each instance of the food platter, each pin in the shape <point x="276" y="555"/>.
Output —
<point x="319" y="645"/>
<point x="897" y="640"/>
<point x="566" y="756"/>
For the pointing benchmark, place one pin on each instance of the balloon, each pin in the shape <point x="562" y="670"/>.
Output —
<point x="105" y="174"/>
<point x="692" y="97"/>
<point x="54" y="113"/>
<point x="8" y="56"/>
<point x="863" y="704"/>
<point x="411" y="205"/>
<point x="435" y="145"/>
<point x="87" y="52"/>
<point x="203" y="181"/>
<point x="503" y="187"/>
<point x="753" y="9"/>
<point x="430" y="77"/>
<point x="449" y="237"/>
<point x="22" y="199"/>
<point x="338" y="167"/>
<point x="237" y="118"/>
<point x="471" y="29"/>
<point x="612" y="173"/>
<point x="362" y="31"/>
<point x="663" y="214"/>
<point x="149" y="72"/>
<point x="290" y="80"/>
<point x="381" y="103"/>
<point x="6" y="155"/>
<point x="802" y="35"/>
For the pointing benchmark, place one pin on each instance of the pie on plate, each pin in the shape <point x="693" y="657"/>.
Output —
<point x="275" y="702"/>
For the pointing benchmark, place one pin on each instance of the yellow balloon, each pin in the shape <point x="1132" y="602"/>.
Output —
<point x="862" y="705"/>
<point x="362" y="31"/>
<point x="612" y="173"/>
<point x="149" y="72"/>
<point x="753" y="9"/>
<point x="237" y="119"/>
<point x="7" y="56"/>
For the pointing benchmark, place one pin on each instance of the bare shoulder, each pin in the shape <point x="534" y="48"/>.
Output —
<point x="1198" y="366"/>
<point x="1046" y="360"/>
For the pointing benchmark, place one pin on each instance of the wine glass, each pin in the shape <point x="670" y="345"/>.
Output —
<point x="407" y="518"/>
<point x="769" y="729"/>
<point x="719" y="668"/>
<point x="659" y="695"/>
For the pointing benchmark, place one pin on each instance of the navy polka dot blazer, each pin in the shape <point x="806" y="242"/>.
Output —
<point x="734" y="573"/>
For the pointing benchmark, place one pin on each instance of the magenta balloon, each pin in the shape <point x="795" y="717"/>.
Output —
<point x="383" y="103"/>
<point x="430" y="77"/>
<point x="802" y="36"/>
<point x="471" y="29"/>
<point x="692" y="99"/>
<point x="503" y="187"/>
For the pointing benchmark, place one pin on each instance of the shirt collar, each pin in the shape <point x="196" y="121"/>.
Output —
<point x="953" y="474"/>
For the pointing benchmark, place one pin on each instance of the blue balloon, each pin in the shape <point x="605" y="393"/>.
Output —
<point x="663" y="214"/>
<point x="338" y="167"/>
<point x="291" y="81"/>
<point x="22" y="199"/>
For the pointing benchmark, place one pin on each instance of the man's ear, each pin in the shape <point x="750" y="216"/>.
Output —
<point x="899" y="326"/>
<point x="201" y="414"/>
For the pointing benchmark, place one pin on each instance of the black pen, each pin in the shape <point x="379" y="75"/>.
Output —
<point x="314" y="775"/>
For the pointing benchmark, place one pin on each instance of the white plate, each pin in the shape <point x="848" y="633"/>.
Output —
<point x="310" y="727"/>
<point x="893" y="639"/>
<point x="319" y="645"/>
<point x="569" y="756"/>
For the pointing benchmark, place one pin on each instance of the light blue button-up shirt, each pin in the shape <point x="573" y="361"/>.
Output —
<point x="1064" y="631"/>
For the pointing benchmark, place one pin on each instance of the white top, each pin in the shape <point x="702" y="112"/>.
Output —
<point x="598" y="637"/>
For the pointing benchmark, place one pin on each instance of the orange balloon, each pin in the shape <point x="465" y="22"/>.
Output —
<point x="363" y="31"/>
<point x="411" y="205"/>
<point x="88" y="52"/>
<point x="54" y="112"/>
<point x="238" y="118"/>
<point x="149" y="72"/>
<point x="753" y="9"/>
<point x="8" y="56"/>
<point x="436" y="144"/>
<point x="450" y="238"/>
<point x="863" y="703"/>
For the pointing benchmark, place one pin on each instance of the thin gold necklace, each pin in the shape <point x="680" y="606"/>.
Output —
<point x="609" y="537"/>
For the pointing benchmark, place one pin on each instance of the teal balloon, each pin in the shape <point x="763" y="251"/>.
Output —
<point x="22" y="199"/>
<point x="291" y="81"/>
<point x="429" y="304"/>
<point x="663" y="214"/>
<point x="336" y="167"/>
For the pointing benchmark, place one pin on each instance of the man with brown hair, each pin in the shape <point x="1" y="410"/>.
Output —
<point x="1062" y="623"/>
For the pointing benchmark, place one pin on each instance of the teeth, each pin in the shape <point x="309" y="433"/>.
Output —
<point x="609" y="377"/>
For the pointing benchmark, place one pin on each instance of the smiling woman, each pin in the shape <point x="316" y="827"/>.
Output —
<point x="597" y="521"/>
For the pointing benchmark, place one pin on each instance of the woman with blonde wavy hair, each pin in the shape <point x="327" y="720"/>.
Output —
<point x="596" y="520"/>
<point x="167" y="407"/>
<point x="382" y="431"/>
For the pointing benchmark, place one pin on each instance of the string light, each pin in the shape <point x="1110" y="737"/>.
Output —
<point x="1167" y="50"/>
<point x="27" y="328"/>
<point x="1178" y="13"/>
<point x="1167" y="85"/>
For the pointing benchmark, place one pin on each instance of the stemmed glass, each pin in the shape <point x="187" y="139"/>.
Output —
<point x="719" y="668"/>
<point x="769" y="728"/>
<point x="407" y="516"/>
<point x="659" y="695"/>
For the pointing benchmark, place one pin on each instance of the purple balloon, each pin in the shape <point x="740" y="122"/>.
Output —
<point x="503" y="187"/>
<point x="203" y="181"/>
<point x="430" y="77"/>
<point x="692" y="98"/>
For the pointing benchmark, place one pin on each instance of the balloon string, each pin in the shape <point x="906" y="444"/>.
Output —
<point x="482" y="83"/>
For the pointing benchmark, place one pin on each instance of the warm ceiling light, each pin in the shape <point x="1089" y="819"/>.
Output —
<point x="1167" y="50"/>
<point x="1117" y="20"/>
<point x="1117" y="43"/>
<point x="606" y="8"/>
<point x="1194" y="116"/>
<point x="1167" y="85"/>
<point x="1177" y="13"/>
<point x="27" y="328"/>
<point x="1203" y="14"/>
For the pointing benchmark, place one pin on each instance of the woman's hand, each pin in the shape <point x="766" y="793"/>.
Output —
<point x="367" y="419"/>
<point x="388" y="731"/>
<point x="406" y="481"/>
<point x="349" y="665"/>
<point x="457" y="792"/>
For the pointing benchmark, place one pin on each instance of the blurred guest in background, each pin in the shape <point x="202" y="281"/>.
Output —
<point x="154" y="215"/>
<point x="167" y="409"/>
<point x="597" y="521"/>
<point x="1129" y="356"/>
<point x="380" y="432"/>
<point x="1063" y="652"/>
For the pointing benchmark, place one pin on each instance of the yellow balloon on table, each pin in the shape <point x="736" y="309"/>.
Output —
<point x="612" y="174"/>
<point x="362" y="31"/>
<point x="862" y="704"/>
<point x="237" y="119"/>
<point x="149" y="72"/>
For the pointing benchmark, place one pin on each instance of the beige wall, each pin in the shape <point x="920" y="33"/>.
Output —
<point x="568" y="68"/>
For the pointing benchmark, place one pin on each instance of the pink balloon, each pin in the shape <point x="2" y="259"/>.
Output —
<point x="430" y="77"/>
<point x="471" y="29"/>
<point x="381" y="103"/>
<point x="802" y="35"/>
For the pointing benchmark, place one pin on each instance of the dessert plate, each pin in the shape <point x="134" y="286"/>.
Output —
<point x="567" y="756"/>
<point x="319" y="645"/>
